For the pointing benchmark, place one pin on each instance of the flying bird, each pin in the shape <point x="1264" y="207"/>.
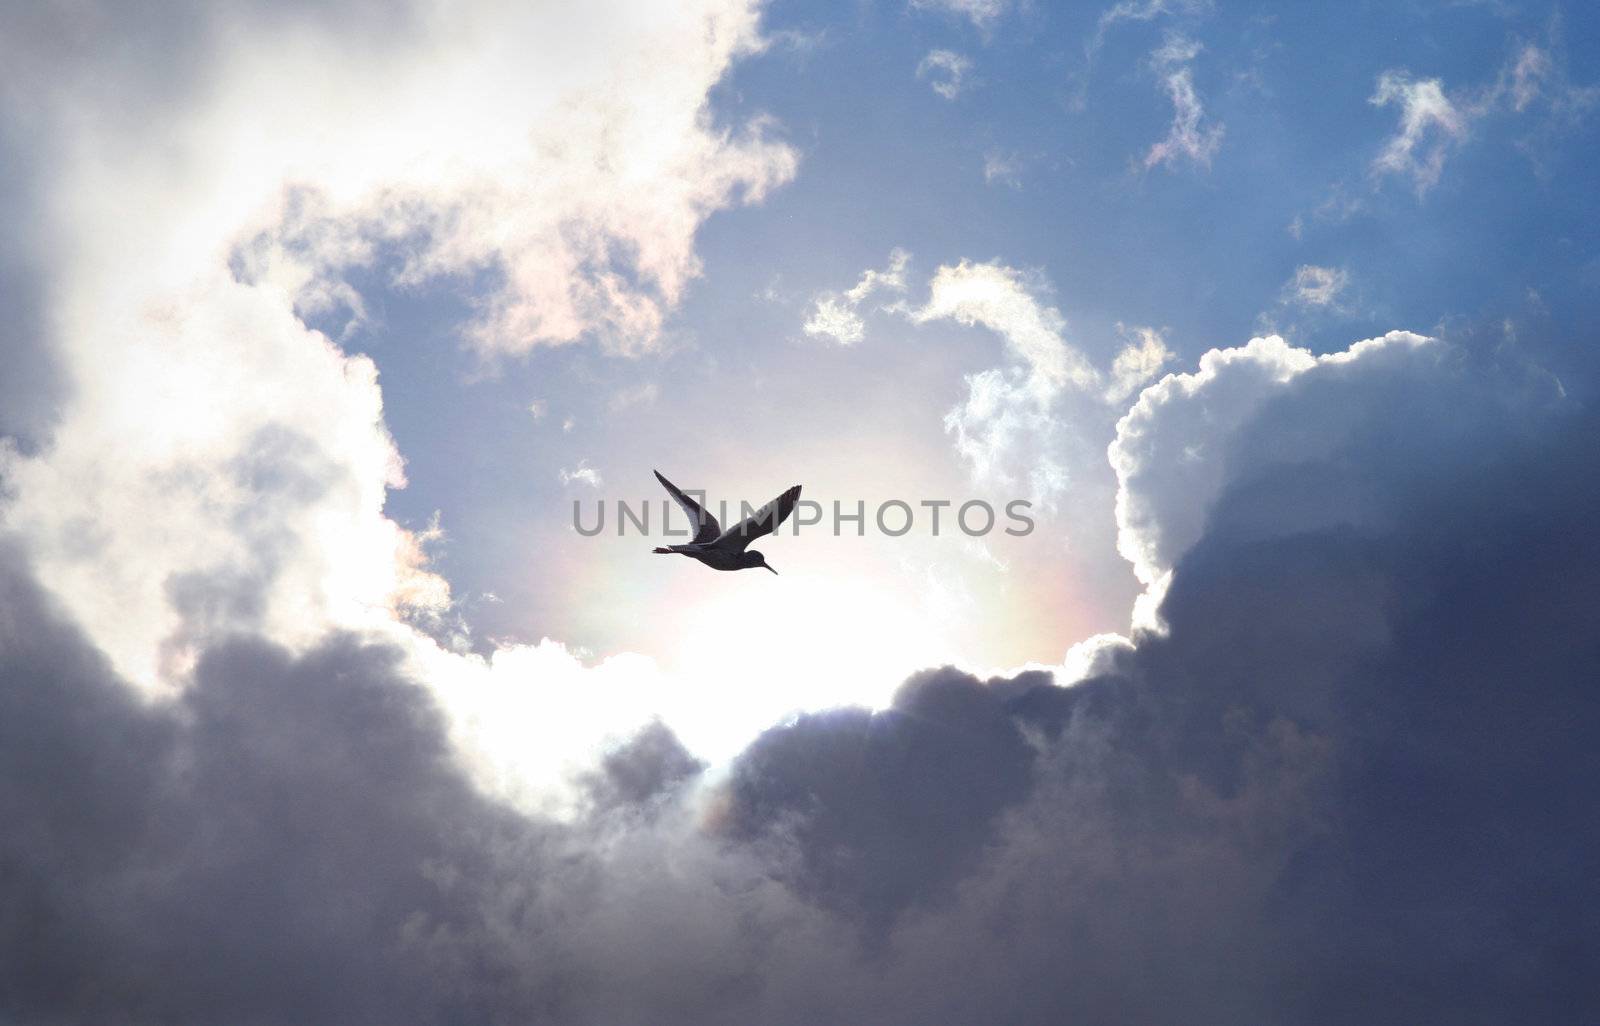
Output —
<point x="728" y="550"/>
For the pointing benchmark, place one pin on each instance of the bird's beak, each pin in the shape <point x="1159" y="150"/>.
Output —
<point x="769" y="567"/>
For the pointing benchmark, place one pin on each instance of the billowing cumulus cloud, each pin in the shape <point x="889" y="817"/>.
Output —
<point x="253" y="771"/>
<point x="1347" y="783"/>
<point x="1173" y="447"/>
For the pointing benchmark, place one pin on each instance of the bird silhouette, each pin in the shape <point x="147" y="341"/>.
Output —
<point x="727" y="550"/>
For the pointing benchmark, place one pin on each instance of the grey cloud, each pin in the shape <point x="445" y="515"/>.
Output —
<point x="1351" y="782"/>
<point x="884" y="809"/>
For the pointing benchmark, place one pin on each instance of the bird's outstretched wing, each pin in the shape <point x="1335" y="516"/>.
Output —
<point x="760" y="523"/>
<point x="705" y="525"/>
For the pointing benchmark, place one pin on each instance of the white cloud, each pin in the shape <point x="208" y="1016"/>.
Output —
<point x="1139" y="10"/>
<point x="1539" y="73"/>
<point x="982" y="13"/>
<point x="1434" y="122"/>
<point x="1127" y="10"/>
<point x="835" y="319"/>
<point x="946" y="71"/>
<point x="582" y="474"/>
<point x="995" y="296"/>
<point x="1317" y="286"/>
<point x="1171" y="452"/>
<point x="538" y="409"/>
<point x="891" y="279"/>
<point x="1003" y="428"/>
<point x="835" y="315"/>
<point x="1138" y="362"/>
<point x="1430" y="126"/>
<point x="1188" y="135"/>
<point x="220" y="466"/>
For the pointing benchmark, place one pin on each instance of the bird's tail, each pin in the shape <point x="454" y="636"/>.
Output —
<point x="662" y="550"/>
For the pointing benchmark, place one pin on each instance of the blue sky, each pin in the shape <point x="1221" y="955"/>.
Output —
<point x="1205" y="249"/>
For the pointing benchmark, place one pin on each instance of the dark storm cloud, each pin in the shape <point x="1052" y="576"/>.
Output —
<point x="32" y="385"/>
<point x="255" y="854"/>
<point x="1353" y="783"/>
<point x="885" y="808"/>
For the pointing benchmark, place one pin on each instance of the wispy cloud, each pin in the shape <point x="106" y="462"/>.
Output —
<point x="638" y="395"/>
<point x="996" y="297"/>
<point x="1002" y="169"/>
<point x="1434" y="122"/>
<point x="1317" y="286"/>
<point x="945" y="71"/>
<point x="982" y="13"/>
<point x="1188" y="136"/>
<point x="835" y="315"/>
<point x="1126" y="11"/>
<point x="1005" y="428"/>
<point x="1137" y="363"/>
<point x="1431" y="125"/>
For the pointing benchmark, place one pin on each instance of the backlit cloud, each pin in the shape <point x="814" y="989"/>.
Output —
<point x="836" y="315"/>
<point x="230" y="462"/>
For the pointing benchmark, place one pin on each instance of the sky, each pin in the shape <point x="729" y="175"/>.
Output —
<point x="327" y="324"/>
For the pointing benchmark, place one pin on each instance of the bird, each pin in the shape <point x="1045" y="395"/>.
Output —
<point x="727" y="550"/>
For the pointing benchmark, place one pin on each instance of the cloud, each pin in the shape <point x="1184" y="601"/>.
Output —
<point x="1371" y="714"/>
<point x="1187" y="136"/>
<point x="1137" y="363"/>
<point x="836" y="319"/>
<point x="1127" y="11"/>
<point x="1008" y="424"/>
<point x="982" y="13"/>
<point x="994" y="296"/>
<point x="1002" y="168"/>
<point x="1317" y="286"/>
<point x="1535" y="73"/>
<point x="582" y="474"/>
<point x="214" y="462"/>
<point x="836" y="316"/>
<point x="1430" y="126"/>
<point x="947" y="71"/>
<point x="1434" y="123"/>
<point x="1138" y="10"/>
<point x="1173" y="447"/>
